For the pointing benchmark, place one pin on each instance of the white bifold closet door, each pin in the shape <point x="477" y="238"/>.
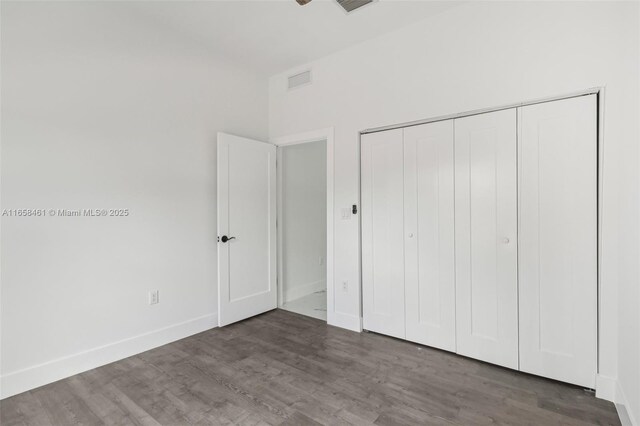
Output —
<point x="383" y="233"/>
<point x="486" y="237"/>
<point x="408" y="234"/>
<point x="429" y="235"/>
<point x="558" y="214"/>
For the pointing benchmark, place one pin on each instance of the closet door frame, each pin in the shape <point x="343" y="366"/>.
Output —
<point x="604" y="389"/>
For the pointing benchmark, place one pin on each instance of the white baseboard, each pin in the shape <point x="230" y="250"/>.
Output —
<point x="39" y="375"/>
<point x="623" y="414"/>
<point x="622" y="406"/>
<point x="304" y="290"/>
<point x="350" y="322"/>
<point x="606" y="387"/>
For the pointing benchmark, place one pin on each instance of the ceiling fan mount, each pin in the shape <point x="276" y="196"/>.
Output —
<point x="347" y="5"/>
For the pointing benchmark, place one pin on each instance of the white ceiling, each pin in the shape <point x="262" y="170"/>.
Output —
<point x="273" y="35"/>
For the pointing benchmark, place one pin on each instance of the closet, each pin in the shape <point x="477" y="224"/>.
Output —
<point x="479" y="236"/>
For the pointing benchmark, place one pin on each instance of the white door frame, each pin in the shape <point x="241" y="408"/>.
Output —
<point x="327" y="135"/>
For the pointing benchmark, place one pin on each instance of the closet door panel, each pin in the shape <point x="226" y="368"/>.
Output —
<point x="485" y="237"/>
<point x="558" y="241"/>
<point x="429" y="234"/>
<point x="383" y="232"/>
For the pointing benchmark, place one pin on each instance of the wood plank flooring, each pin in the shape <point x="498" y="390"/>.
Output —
<point x="282" y="368"/>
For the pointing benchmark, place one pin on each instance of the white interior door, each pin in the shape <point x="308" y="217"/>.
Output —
<point x="382" y="233"/>
<point x="429" y="235"/>
<point x="247" y="215"/>
<point x="557" y="253"/>
<point x="486" y="237"/>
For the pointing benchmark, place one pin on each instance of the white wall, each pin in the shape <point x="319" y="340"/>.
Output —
<point x="102" y="109"/>
<point x="304" y="218"/>
<point x="479" y="55"/>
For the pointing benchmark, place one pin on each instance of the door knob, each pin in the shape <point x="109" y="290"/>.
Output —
<point x="505" y="240"/>
<point x="225" y="238"/>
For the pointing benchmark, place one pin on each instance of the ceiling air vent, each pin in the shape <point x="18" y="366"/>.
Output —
<point x="300" y="79"/>
<point x="351" y="5"/>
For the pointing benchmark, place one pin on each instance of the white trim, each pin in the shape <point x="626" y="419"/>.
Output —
<point x="622" y="407"/>
<point x="311" y="136"/>
<point x="360" y="283"/>
<point x="606" y="387"/>
<point x="349" y="322"/>
<point x="623" y="414"/>
<point x="600" y="203"/>
<point x="326" y="134"/>
<point x="39" y="375"/>
<point x="279" y="230"/>
<point x="591" y="91"/>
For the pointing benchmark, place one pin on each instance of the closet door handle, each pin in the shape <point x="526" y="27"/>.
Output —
<point x="505" y="240"/>
<point x="225" y="238"/>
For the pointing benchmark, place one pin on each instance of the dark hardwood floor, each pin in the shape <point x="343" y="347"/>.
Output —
<point x="284" y="368"/>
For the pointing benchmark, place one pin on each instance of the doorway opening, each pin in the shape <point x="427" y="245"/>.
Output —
<point x="302" y="228"/>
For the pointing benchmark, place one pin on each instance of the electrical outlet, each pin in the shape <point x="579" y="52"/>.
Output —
<point x="154" y="297"/>
<point x="345" y="286"/>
